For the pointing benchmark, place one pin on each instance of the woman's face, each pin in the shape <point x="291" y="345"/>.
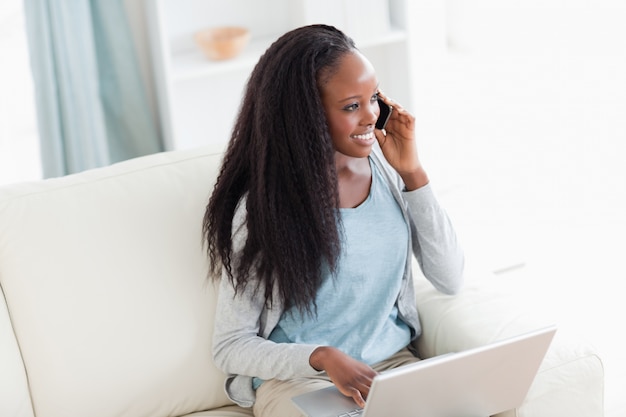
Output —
<point x="349" y="100"/>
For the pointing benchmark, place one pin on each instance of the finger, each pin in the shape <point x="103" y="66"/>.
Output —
<point x="381" y="136"/>
<point x="389" y="100"/>
<point x="357" y="397"/>
<point x="401" y="118"/>
<point x="365" y="389"/>
<point x="365" y="382"/>
<point x="386" y="98"/>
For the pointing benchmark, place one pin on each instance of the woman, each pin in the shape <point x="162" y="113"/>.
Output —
<point x="313" y="222"/>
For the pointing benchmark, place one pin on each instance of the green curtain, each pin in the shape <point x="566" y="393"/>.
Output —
<point x="92" y="107"/>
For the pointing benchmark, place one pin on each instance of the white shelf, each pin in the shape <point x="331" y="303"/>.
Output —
<point x="190" y="63"/>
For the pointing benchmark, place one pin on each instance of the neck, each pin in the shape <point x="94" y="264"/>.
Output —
<point x="348" y="164"/>
<point x="354" y="179"/>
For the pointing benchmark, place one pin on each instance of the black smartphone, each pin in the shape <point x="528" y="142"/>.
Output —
<point x="385" y="112"/>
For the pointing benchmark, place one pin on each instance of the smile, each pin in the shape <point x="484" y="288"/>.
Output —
<point x="366" y="136"/>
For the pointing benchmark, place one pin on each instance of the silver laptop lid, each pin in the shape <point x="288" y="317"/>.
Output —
<point x="477" y="382"/>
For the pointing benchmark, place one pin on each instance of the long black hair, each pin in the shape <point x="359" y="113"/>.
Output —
<point x="280" y="161"/>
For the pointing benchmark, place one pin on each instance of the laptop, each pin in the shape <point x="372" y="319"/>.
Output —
<point x="477" y="382"/>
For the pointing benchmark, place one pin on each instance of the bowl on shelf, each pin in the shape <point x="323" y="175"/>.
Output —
<point x="220" y="43"/>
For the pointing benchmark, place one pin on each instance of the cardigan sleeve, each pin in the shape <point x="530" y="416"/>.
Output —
<point x="435" y="244"/>
<point x="239" y="346"/>
<point x="241" y="329"/>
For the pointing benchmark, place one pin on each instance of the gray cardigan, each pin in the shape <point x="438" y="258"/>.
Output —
<point x="243" y="323"/>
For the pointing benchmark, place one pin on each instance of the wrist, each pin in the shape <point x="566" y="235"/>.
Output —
<point x="319" y="356"/>
<point x="414" y="179"/>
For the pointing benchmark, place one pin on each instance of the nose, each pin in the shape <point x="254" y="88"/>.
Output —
<point x="372" y="113"/>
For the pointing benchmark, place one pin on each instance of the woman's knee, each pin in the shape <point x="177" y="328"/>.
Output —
<point x="273" y="397"/>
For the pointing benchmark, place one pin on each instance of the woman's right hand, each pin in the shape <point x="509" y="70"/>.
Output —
<point x="351" y="377"/>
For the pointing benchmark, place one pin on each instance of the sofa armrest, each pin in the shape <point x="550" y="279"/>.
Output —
<point x="570" y="381"/>
<point x="15" y="398"/>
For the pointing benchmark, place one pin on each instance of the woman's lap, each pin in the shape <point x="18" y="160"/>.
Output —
<point x="273" y="397"/>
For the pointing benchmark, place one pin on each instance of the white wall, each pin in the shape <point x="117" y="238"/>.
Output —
<point x="523" y="127"/>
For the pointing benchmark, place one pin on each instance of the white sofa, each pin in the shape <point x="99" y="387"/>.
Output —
<point x="109" y="313"/>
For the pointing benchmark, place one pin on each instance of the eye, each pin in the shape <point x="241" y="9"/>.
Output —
<point x="374" y="98"/>
<point x="351" y="107"/>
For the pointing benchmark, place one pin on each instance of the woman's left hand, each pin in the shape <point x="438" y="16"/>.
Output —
<point x="397" y="142"/>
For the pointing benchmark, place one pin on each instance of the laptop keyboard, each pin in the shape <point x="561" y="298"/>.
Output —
<point x="354" y="413"/>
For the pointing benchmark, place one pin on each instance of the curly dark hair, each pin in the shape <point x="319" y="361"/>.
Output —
<point x="280" y="161"/>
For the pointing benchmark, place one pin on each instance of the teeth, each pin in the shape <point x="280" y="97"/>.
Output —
<point x="365" y="136"/>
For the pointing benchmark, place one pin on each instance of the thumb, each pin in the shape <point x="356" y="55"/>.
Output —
<point x="381" y="136"/>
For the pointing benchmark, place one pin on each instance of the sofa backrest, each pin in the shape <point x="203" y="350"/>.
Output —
<point x="108" y="308"/>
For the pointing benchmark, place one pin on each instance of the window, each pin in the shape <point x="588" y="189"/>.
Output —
<point x="19" y="139"/>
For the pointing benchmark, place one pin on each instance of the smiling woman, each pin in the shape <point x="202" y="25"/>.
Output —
<point x="19" y="144"/>
<point x="315" y="214"/>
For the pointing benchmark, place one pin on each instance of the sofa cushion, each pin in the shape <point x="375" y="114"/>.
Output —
<point x="105" y="280"/>
<point x="570" y="380"/>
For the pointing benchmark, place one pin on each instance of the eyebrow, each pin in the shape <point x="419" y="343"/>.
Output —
<point x="355" y="97"/>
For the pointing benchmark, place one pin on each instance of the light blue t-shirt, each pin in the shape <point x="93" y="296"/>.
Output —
<point x="356" y="306"/>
